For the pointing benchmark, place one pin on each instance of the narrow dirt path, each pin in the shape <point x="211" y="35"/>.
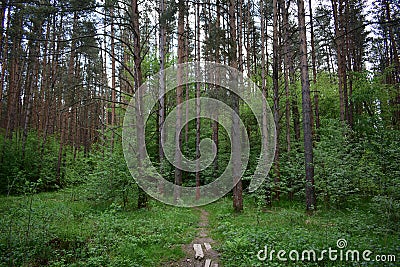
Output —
<point x="203" y="237"/>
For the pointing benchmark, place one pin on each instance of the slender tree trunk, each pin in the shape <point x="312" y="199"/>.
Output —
<point x="268" y="201"/>
<point x="306" y="100"/>
<point x="44" y="85"/>
<point x="236" y="148"/>
<point x="328" y="61"/>
<point x="3" y="54"/>
<point x="215" y="125"/>
<point x="350" y="58"/>
<point x="287" y="84"/>
<point x="248" y="30"/>
<point x="275" y="78"/>
<point x="104" y="89"/>
<point x="187" y="86"/>
<point x="63" y="124"/>
<point x="47" y="102"/>
<point x="197" y="47"/>
<point x="239" y="34"/>
<point x="161" y="116"/>
<point x="339" y="36"/>
<point x="54" y="110"/>
<point x="295" y="110"/>
<point x="3" y="51"/>
<point x="31" y="83"/>
<point x="286" y="71"/>
<point x="179" y="94"/>
<point x="72" y="87"/>
<point x="142" y="197"/>
<point x="314" y="67"/>
<point x="13" y="86"/>
<point x="3" y="8"/>
<point x="113" y="77"/>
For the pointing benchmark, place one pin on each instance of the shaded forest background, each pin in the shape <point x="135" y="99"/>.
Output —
<point x="329" y="69"/>
<point x="69" y="68"/>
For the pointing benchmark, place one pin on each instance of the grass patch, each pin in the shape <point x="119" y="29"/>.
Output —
<point x="58" y="229"/>
<point x="64" y="228"/>
<point x="287" y="227"/>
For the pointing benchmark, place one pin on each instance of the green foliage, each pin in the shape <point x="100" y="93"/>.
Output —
<point x="334" y="161"/>
<point x="292" y="173"/>
<point x="110" y="179"/>
<point x="59" y="229"/>
<point x="38" y="163"/>
<point x="328" y="94"/>
<point x="287" y="227"/>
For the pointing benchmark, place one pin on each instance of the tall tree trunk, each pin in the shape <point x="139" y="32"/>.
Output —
<point x="306" y="103"/>
<point x="215" y="125"/>
<point x="285" y="70"/>
<point x="31" y="82"/>
<point x="268" y="201"/>
<point x="13" y="86"/>
<point x="48" y="70"/>
<point x="113" y="77"/>
<point x="142" y="197"/>
<point x="248" y="30"/>
<point x="293" y="93"/>
<point x="287" y="84"/>
<point x="314" y="67"/>
<point x="161" y="115"/>
<point x="275" y="79"/>
<point x="187" y="86"/>
<point x="239" y="34"/>
<point x="63" y="126"/>
<point x="71" y="91"/>
<point x="236" y="148"/>
<point x="337" y="8"/>
<point x="197" y="47"/>
<point x="350" y="58"/>
<point x="3" y="7"/>
<point x="179" y="93"/>
<point x="3" y="54"/>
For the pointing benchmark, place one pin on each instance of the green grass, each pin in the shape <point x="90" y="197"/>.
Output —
<point x="287" y="227"/>
<point x="66" y="229"/>
<point x="61" y="229"/>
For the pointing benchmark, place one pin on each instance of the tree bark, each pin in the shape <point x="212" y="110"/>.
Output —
<point x="314" y="67"/>
<point x="268" y="201"/>
<point x="113" y="77"/>
<point x="339" y="41"/>
<point x="142" y="197"/>
<point x="3" y="53"/>
<point x="186" y="56"/>
<point x="286" y="71"/>
<point x="215" y="125"/>
<point x="161" y="116"/>
<point x="236" y="148"/>
<point x="179" y="94"/>
<point x="275" y="79"/>
<point x="306" y="103"/>
<point x="198" y="126"/>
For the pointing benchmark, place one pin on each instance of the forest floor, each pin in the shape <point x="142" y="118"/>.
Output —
<point x="64" y="228"/>
<point x="203" y="237"/>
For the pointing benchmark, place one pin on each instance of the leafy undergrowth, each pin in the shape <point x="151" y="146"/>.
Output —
<point x="287" y="227"/>
<point x="66" y="229"/>
<point x="61" y="229"/>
